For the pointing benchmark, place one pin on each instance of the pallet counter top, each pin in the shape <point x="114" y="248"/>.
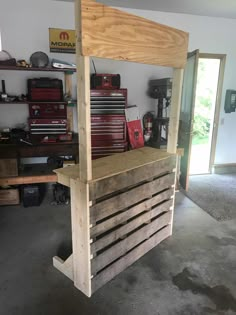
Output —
<point x="115" y="164"/>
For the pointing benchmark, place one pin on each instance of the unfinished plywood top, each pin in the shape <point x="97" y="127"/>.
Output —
<point x="110" y="33"/>
<point x="114" y="164"/>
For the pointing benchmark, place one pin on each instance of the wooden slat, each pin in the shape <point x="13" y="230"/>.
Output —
<point x="127" y="214"/>
<point x="109" y="185"/>
<point x="175" y="110"/>
<point x="81" y="236"/>
<point x="127" y="228"/>
<point x="119" y="249"/>
<point x="114" y="34"/>
<point x="126" y="199"/>
<point x="83" y="106"/>
<point x="124" y="262"/>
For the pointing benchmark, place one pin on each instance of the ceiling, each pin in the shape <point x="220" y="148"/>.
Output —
<point x="215" y="8"/>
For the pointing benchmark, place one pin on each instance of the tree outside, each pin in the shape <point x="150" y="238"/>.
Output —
<point x="207" y="81"/>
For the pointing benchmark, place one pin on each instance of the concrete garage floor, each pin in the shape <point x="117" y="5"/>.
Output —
<point x="194" y="272"/>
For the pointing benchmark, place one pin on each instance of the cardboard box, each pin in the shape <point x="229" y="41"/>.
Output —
<point x="8" y="168"/>
<point x="9" y="197"/>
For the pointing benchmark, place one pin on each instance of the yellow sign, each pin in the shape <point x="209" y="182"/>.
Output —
<point x="62" y="41"/>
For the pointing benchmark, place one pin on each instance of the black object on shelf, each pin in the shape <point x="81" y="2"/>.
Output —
<point x="39" y="59"/>
<point x="32" y="195"/>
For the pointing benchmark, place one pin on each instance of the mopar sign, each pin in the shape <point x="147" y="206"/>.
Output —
<point x="62" y="41"/>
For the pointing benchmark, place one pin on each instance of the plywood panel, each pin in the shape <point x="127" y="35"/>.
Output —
<point x="114" y="34"/>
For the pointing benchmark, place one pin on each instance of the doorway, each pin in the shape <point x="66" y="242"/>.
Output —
<point x="206" y="112"/>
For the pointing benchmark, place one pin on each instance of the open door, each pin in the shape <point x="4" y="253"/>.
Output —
<point x="186" y="115"/>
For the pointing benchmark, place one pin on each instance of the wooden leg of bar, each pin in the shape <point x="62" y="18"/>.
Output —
<point x="81" y="235"/>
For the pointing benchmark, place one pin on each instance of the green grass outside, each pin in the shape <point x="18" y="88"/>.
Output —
<point x="199" y="140"/>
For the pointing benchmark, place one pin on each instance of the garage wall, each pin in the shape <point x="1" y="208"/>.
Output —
<point x="24" y="26"/>
<point x="24" y="29"/>
<point x="210" y="35"/>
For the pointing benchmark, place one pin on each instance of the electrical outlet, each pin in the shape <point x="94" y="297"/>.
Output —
<point x="222" y="121"/>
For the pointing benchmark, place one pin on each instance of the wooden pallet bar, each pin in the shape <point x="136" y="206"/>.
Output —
<point x="122" y="205"/>
<point x="129" y="201"/>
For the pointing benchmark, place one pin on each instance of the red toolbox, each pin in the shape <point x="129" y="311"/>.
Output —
<point x="45" y="89"/>
<point x="104" y="149"/>
<point x="108" y="122"/>
<point x="47" y="126"/>
<point x="108" y="101"/>
<point x="47" y="110"/>
<point x="108" y="128"/>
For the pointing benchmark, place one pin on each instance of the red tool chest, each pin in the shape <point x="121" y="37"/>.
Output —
<point x="45" y="89"/>
<point x="48" y="110"/>
<point x="108" y="128"/>
<point x="108" y="149"/>
<point x="48" y="126"/>
<point x="108" y="123"/>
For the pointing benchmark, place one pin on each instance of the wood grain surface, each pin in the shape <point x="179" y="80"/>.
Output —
<point x="129" y="259"/>
<point x="115" y="164"/>
<point x="121" y="248"/>
<point x="114" y="34"/>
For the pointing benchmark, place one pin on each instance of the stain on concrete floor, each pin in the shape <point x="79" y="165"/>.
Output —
<point x="29" y="285"/>
<point x="220" y="295"/>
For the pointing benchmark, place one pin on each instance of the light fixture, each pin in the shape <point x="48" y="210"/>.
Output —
<point x="4" y="55"/>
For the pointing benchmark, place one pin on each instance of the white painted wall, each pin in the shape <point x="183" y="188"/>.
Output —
<point x="24" y="26"/>
<point x="210" y="35"/>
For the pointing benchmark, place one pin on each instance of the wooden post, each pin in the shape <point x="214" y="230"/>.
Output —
<point x="80" y="216"/>
<point x="81" y="235"/>
<point x="175" y="110"/>
<point x="68" y="84"/>
<point x="83" y="106"/>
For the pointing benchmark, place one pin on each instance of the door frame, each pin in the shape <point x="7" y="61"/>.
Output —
<point x="222" y="58"/>
<point x="185" y="161"/>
